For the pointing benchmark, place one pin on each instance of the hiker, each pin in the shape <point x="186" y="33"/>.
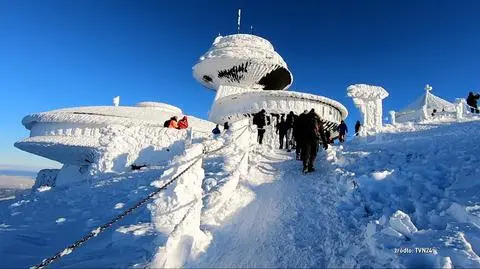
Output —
<point x="299" y="129"/>
<point x="216" y="130"/>
<point x="225" y="126"/>
<point x="357" y="128"/>
<point x="172" y="123"/>
<point x="183" y="123"/>
<point x="342" y="130"/>
<point x="259" y="120"/>
<point x="433" y="112"/>
<point x="472" y="102"/>
<point x="328" y="137"/>
<point x="290" y="123"/>
<point x="282" y="132"/>
<point x="312" y="135"/>
<point x="167" y="122"/>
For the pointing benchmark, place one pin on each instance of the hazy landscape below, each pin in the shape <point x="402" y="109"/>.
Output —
<point x="15" y="179"/>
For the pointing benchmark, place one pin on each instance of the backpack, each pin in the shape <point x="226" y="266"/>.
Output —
<point x="166" y="123"/>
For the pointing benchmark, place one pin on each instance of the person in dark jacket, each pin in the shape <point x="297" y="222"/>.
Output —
<point x="290" y="124"/>
<point x="299" y="130"/>
<point x="173" y="123"/>
<point x="472" y="102"/>
<point x="328" y="137"/>
<point x="216" y="130"/>
<point x="225" y="126"/>
<point x="259" y="120"/>
<point x="357" y="127"/>
<point x="282" y="132"/>
<point x="342" y="130"/>
<point x="312" y="135"/>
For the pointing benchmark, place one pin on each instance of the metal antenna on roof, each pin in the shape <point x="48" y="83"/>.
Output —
<point x="238" y="20"/>
<point x="251" y="29"/>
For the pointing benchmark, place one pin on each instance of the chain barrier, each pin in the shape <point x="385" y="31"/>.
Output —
<point x="100" y="229"/>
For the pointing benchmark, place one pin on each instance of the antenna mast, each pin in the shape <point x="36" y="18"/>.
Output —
<point x="238" y="21"/>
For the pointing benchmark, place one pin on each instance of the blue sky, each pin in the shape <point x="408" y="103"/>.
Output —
<point x="56" y="54"/>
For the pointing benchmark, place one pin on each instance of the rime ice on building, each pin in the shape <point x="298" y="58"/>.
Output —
<point x="424" y="106"/>
<point x="369" y="100"/>
<point x="249" y="75"/>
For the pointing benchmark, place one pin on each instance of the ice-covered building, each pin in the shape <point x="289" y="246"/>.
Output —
<point x="108" y="138"/>
<point x="423" y="107"/>
<point x="249" y="75"/>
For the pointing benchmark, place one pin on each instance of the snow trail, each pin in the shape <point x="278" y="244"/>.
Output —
<point x="291" y="220"/>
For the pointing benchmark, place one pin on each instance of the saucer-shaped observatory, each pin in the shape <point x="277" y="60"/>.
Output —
<point x="242" y="60"/>
<point x="249" y="75"/>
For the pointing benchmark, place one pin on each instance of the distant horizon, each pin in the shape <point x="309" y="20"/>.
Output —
<point x="61" y="54"/>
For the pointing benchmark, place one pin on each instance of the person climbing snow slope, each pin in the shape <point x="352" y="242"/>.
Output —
<point x="342" y="130"/>
<point x="299" y="130"/>
<point x="259" y="120"/>
<point x="313" y="133"/>
<point x="282" y="132"/>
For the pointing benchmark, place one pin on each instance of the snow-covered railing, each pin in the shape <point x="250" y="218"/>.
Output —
<point x="176" y="211"/>
<point x="235" y="167"/>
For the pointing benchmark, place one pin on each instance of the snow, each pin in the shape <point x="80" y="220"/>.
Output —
<point x="404" y="198"/>
<point x="116" y="101"/>
<point x="44" y="188"/>
<point x="105" y="139"/>
<point x="368" y="99"/>
<point x="161" y="106"/>
<point x="423" y="107"/>
<point x="234" y="50"/>
<point x="236" y="106"/>
<point x="241" y="46"/>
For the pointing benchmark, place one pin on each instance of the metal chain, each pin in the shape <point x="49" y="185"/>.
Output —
<point x="100" y="229"/>
<point x="224" y="146"/>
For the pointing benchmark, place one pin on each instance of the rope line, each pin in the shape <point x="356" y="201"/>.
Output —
<point x="100" y="229"/>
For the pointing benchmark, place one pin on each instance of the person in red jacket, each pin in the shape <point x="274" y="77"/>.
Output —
<point x="183" y="123"/>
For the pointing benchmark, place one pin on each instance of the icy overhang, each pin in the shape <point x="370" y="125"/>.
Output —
<point x="242" y="60"/>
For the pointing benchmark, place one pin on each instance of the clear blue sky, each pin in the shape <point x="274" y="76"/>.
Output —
<point x="56" y="54"/>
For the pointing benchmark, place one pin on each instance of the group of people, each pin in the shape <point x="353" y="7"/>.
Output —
<point x="303" y="133"/>
<point x="217" y="131"/>
<point x="173" y="122"/>
<point x="472" y="102"/>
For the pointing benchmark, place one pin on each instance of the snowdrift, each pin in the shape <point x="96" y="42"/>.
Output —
<point x="415" y="192"/>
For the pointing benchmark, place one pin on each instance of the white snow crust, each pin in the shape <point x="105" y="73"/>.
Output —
<point x="234" y="50"/>
<point x="411" y="188"/>
<point x="236" y="105"/>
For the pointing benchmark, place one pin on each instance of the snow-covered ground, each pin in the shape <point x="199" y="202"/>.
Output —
<point x="408" y="198"/>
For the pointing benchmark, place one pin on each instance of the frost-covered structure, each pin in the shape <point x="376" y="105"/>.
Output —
<point x="248" y="75"/>
<point x="369" y="100"/>
<point x="424" y="106"/>
<point x="108" y="138"/>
